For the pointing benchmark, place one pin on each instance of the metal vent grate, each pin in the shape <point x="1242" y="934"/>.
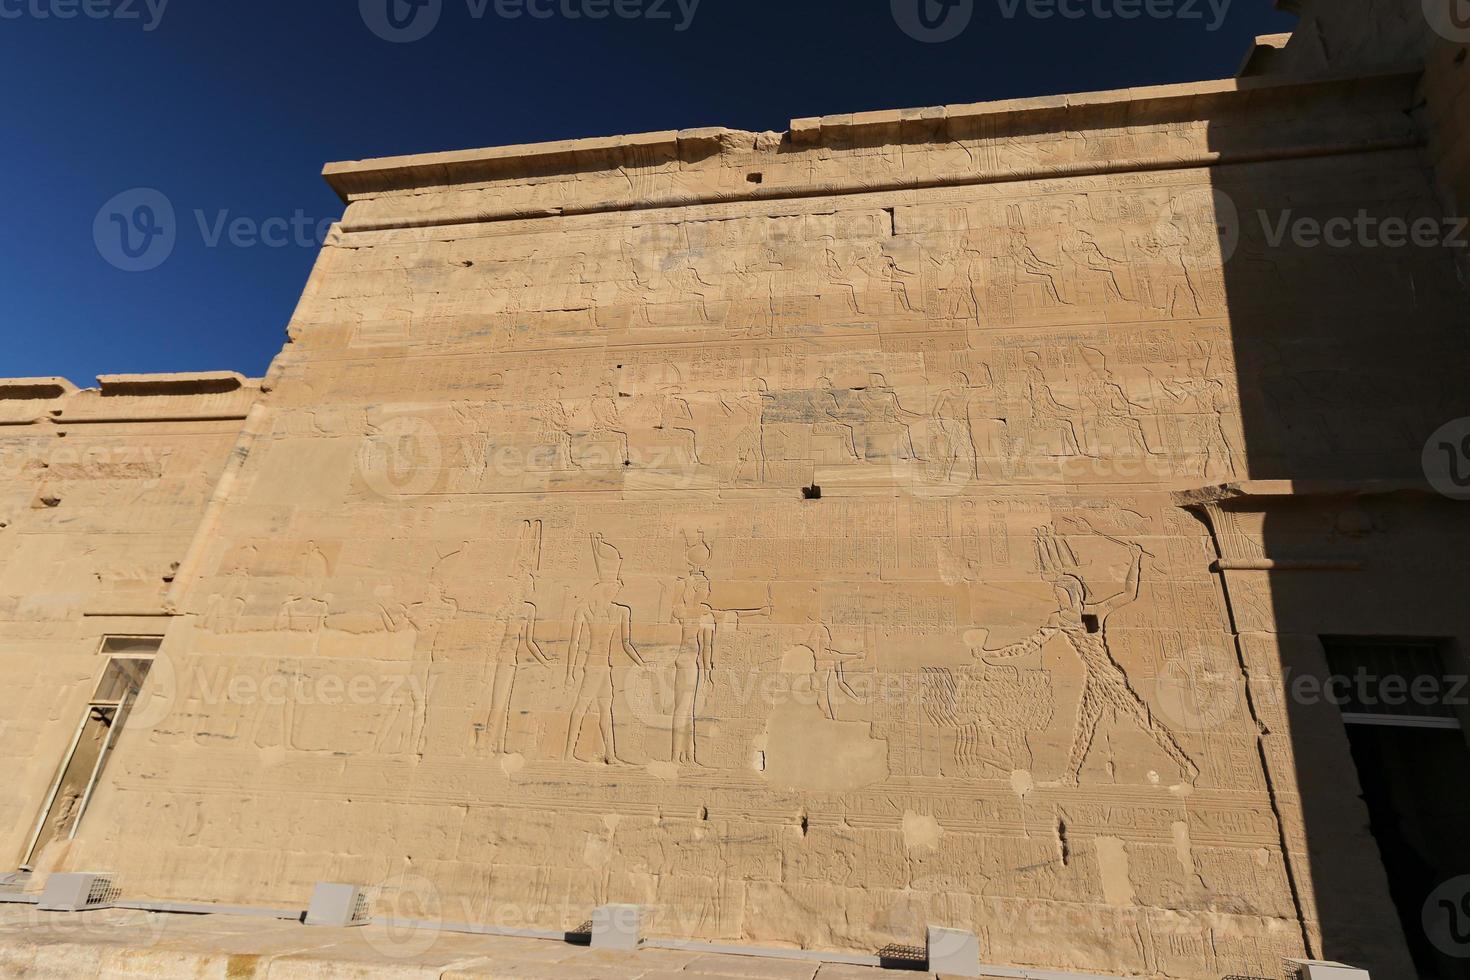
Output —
<point x="103" y="891"/>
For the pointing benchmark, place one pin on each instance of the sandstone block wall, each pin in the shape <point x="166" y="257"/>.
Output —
<point x="101" y="492"/>
<point x="812" y="536"/>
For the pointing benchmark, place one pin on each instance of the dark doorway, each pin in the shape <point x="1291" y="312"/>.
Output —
<point x="1413" y="763"/>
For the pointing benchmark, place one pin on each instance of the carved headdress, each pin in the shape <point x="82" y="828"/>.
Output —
<point x="609" y="560"/>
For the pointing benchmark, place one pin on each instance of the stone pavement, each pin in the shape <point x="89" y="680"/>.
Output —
<point x="116" y="943"/>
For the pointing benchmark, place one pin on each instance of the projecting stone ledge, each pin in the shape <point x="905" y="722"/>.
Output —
<point x="890" y="151"/>
<point x="193" y="383"/>
<point x="194" y="396"/>
<point x="30" y="389"/>
<point x="1202" y="496"/>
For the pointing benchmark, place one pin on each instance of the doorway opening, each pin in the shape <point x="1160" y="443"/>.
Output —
<point x="129" y="659"/>
<point x="1404" y="714"/>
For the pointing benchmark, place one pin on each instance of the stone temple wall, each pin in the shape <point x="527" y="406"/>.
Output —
<point x="101" y="492"/>
<point x="811" y="536"/>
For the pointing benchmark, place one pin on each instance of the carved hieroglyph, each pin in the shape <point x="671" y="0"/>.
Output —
<point x="777" y="532"/>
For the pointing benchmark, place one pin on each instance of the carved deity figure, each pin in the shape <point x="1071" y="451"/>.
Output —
<point x="1105" y="687"/>
<point x="695" y="662"/>
<point x="744" y="413"/>
<point x="607" y="418"/>
<point x="877" y="409"/>
<point x="1082" y="248"/>
<point x="513" y="633"/>
<point x="1046" y="411"/>
<point x="602" y="632"/>
<point x="1025" y="260"/>
<point x="556" y="421"/>
<point x="956" y="440"/>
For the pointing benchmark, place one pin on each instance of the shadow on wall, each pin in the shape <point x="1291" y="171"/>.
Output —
<point x="1348" y="581"/>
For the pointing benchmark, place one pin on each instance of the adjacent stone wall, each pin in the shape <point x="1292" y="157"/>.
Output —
<point x="101" y="492"/>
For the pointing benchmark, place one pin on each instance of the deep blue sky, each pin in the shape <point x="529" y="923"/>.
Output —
<point x="233" y="106"/>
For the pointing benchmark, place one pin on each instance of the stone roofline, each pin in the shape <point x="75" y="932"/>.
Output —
<point x="189" y="396"/>
<point x="362" y="179"/>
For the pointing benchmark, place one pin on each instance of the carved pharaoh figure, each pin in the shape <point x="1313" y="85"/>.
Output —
<point x="1081" y="247"/>
<point x="1105" y="686"/>
<point x="749" y="441"/>
<point x="513" y="634"/>
<point x="602" y="632"/>
<point x="956" y="440"/>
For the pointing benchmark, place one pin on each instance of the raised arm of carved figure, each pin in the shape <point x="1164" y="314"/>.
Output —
<point x="1130" y="591"/>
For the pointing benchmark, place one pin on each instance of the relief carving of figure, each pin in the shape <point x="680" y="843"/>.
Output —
<point x="1046" y="411"/>
<point x="602" y="632"/>
<point x="825" y="404"/>
<point x="607" y="418"/>
<point x="513" y="634"/>
<point x="1025" y="260"/>
<point x="556" y="421"/>
<point x="749" y="442"/>
<point x="695" y="662"/>
<point x="1110" y="406"/>
<point x="677" y="418"/>
<point x="830" y="677"/>
<point x="876" y="407"/>
<point x="1082" y="249"/>
<point x="1082" y="622"/>
<point x="956" y="440"/>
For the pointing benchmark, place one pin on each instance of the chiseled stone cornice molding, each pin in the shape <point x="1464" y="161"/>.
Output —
<point x="1201" y="124"/>
<point x="125" y="398"/>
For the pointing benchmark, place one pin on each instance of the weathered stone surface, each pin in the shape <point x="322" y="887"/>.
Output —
<point x="909" y="520"/>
